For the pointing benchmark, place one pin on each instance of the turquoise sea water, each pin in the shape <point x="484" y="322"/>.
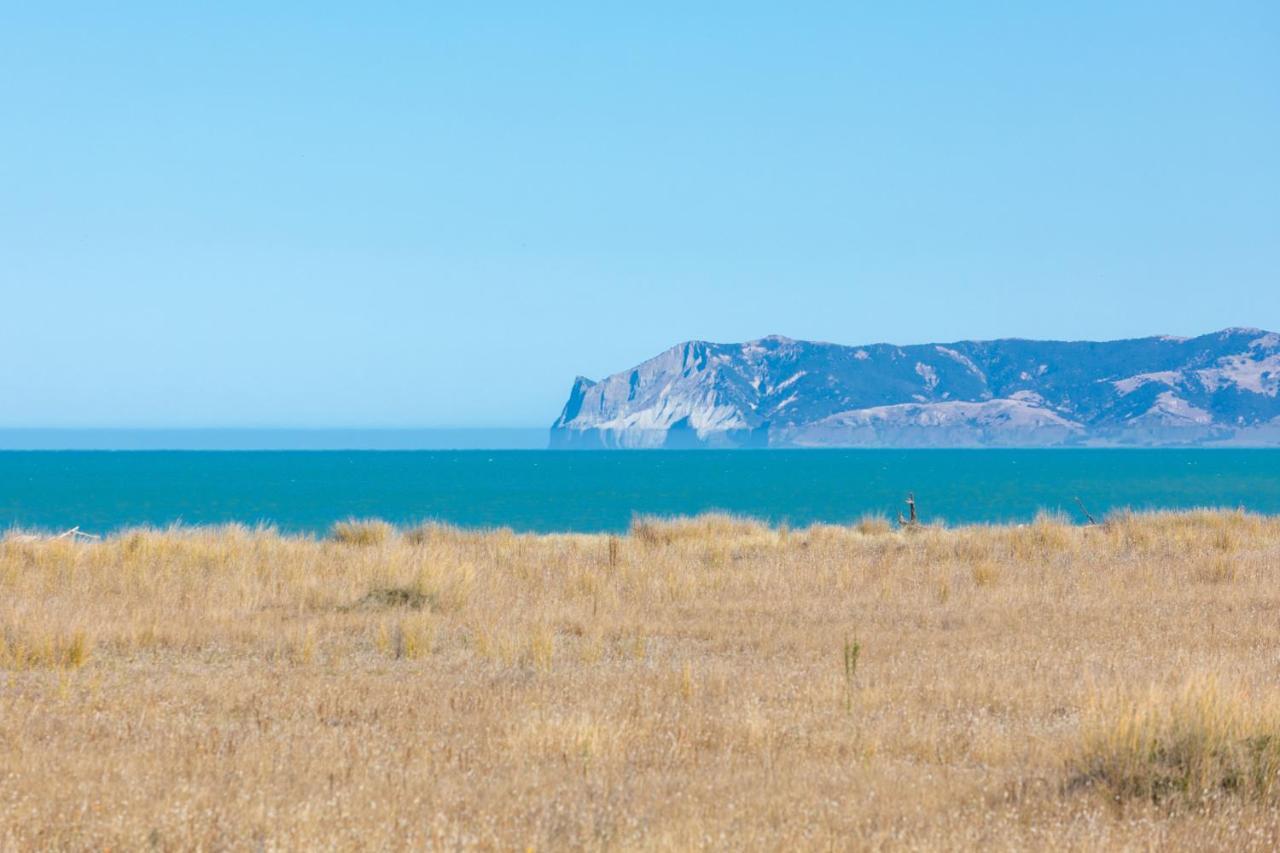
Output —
<point x="568" y="491"/>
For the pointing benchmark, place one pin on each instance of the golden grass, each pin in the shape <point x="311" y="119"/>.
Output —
<point x="1201" y="743"/>
<point x="356" y="531"/>
<point x="697" y="683"/>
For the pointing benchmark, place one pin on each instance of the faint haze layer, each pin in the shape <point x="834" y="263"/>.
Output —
<point x="434" y="215"/>
<point x="272" y="439"/>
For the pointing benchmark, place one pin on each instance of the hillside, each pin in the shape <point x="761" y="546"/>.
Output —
<point x="1219" y="388"/>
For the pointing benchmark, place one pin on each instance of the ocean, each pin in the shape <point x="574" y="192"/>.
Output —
<point x="540" y="490"/>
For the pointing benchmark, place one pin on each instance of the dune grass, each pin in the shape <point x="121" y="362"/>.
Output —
<point x="357" y="531"/>
<point x="1200" y="743"/>
<point x="697" y="683"/>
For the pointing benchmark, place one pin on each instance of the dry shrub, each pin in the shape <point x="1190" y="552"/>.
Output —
<point x="1201" y="742"/>
<point x="356" y="531"/>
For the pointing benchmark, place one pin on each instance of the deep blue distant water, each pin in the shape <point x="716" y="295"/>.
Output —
<point x="550" y="491"/>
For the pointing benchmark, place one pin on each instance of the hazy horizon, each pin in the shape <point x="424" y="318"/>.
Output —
<point x="274" y="438"/>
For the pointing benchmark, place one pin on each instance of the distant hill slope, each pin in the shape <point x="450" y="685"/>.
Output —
<point x="1219" y="388"/>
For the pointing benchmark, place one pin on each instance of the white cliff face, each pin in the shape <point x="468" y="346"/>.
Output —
<point x="781" y="392"/>
<point x="695" y="388"/>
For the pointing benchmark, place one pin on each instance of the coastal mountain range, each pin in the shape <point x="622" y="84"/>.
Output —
<point x="1215" y="389"/>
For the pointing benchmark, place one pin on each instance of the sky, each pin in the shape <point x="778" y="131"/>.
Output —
<point x="416" y="215"/>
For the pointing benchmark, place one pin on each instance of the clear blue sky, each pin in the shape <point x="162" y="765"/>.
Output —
<point x="413" y="215"/>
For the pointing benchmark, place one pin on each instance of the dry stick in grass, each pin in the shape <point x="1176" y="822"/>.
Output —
<point x="76" y="533"/>
<point x="852" y="648"/>
<point x="913" y="521"/>
<point x="1080" y="503"/>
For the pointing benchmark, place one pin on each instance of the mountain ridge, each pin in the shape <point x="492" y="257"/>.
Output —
<point x="775" y="391"/>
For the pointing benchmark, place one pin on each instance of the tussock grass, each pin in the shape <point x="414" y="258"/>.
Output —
<point x="695" y="683"/>
<point x="650" y="530"/>
<point x="1201" y="742"/>
<point x="32" y="648"/>
<point x="356" y="531"/>
<point x="874" y="525"/>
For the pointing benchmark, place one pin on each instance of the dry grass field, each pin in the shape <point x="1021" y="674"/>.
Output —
<point x="705" y="683"/>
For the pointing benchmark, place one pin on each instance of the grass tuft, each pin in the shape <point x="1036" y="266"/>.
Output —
<point x="653" y="531"/>
<point x="1200" y="743"/>
<point x="365" y="532"/>
<point x="25" y="650"/>
<point x="873" y="525"/>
